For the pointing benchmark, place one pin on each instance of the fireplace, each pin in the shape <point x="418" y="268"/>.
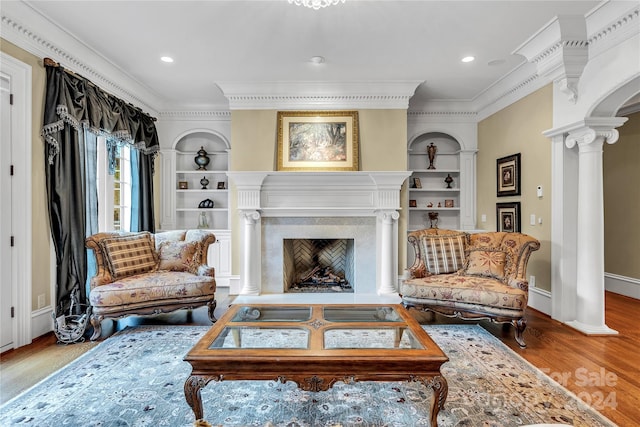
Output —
<point x="318" y="265"/>
<point x="359" y="207"/>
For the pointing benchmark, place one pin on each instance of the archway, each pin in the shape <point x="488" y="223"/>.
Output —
<point x="578" y="236"/>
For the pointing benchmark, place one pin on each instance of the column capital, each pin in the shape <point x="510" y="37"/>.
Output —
<point x="388" y="215"/>
<point x="591" y="136"/>
<point x="250" y="216"/>
<point x="597" y="124"/>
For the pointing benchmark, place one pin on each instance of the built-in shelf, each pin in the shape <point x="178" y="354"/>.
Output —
<point x="428" y="185"/>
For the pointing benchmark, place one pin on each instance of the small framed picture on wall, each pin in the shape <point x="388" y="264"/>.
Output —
<point x="508" y="217"/>
<point x="508" y="175"/>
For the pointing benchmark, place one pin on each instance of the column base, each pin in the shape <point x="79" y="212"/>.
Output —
<point x="591" y="329"/>
<point x="249" y="290"/>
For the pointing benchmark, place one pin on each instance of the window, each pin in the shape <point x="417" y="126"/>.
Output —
<point x="114" y="190"/>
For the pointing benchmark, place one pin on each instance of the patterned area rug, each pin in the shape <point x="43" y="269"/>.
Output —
<point x="136" y="378"/>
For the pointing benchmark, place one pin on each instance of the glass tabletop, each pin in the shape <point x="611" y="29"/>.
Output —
<point x="334" y="328"/>
<point x="235" y="337"/>
<point x="272" y="314"/>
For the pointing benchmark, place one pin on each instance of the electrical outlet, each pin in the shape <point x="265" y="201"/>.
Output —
<point x="532" y="281"/>
<point x="483" y="218"/>
<point x="40" y="300"/>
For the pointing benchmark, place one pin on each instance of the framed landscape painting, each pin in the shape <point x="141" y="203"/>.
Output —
<point x="508" y="175"/>
<point x="318" y="141"/>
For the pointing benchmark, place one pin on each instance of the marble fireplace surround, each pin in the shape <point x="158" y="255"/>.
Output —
<point x="277" y="205"/>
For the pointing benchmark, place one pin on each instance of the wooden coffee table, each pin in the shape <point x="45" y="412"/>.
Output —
<point x="315" y="346"/>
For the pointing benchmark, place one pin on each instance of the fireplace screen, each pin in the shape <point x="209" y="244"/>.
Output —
<point x="318" y="265"/>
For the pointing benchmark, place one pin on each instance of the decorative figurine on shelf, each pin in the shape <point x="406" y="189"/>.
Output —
<point x="202" y="160"/>
<point x="439" y="204"/>
<point x="204" y="182"/>
<point x="433" y="219"/>
<point x="203" y="221"/>
<point x="206" y="203"/>
<point x="448" y="180"/>
<point x="430" y="204"/>
<point x="431" y="152"/>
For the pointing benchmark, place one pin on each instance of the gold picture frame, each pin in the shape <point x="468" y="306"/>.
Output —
<point x="318" y="141"/>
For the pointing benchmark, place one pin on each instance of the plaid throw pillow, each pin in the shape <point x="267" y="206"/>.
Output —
<point x="444" y="254"/>
<point x="130" y="255"/>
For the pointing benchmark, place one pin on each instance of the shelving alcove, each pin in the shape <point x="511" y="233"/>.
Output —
<point x="434" y="189"/>
<point x="183" y="193"/>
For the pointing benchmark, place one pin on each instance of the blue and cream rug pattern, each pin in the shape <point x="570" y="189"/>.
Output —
<point x="135" y="378"/>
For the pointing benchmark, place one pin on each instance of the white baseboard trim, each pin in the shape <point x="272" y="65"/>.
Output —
<point x="540" y="300"/>
<point x="41" y="322"/>
<point x="622" y="285"/>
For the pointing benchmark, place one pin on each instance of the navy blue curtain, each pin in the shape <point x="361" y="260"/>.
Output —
<point x="72" y="105"/>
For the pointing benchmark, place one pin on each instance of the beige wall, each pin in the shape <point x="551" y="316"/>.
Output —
<point x="383" y="147"/>
<point x="518" y="129"/>
<point x="621" y="174"/>
<point x="41" y="236"/>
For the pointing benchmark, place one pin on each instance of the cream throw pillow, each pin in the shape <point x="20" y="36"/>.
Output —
<point x="179" y="256"/>
<point x="486" y="263"/>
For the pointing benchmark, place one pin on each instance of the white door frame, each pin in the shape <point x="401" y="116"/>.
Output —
<point x="21" y="122"/>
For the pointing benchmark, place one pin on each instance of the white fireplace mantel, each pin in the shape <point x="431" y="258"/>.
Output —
<point x="320" y="194"/>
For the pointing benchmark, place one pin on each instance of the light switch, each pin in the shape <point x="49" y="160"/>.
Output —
<point x="532" y="219"/>
<point x="539" y="190"/>
<point x="484" y="218"/>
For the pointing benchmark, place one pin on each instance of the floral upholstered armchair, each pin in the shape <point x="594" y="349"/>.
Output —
<point x="471" y="276"/>
<point x="144" y="273"/>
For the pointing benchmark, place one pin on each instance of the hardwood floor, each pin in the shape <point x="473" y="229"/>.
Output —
<point x="603" y="371"/>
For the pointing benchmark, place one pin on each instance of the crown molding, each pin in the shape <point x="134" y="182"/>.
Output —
<point x="607" y="25"/>
<point x="215" y="115"/>
<point x="610" y="25"/>
<point x="319" y="95"/>
<point x="24" y="26"/>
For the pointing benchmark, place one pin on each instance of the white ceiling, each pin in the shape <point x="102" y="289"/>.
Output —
<point x="272" y="41"/>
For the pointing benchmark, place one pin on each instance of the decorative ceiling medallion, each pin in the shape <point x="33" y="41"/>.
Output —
<point x="315" y="4"/>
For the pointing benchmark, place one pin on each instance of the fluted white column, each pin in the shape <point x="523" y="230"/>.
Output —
<point x="388" y="262"/>
<point x="251" y="251"/>
<point x="590" y="228"/>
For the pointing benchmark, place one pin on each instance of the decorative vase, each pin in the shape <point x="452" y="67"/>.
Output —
<point x="204" y="182"/>
<point x="202" y="160"/>
<point x="203" y="222"/>
<point x="433" y="219"/>
<point x="431" y="152"/>
<point x="448" y="180"/>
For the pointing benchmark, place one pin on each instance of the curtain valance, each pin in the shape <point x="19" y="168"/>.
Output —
<point x="78" y="102"/>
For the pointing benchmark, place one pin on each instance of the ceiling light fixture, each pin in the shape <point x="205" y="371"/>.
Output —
<point x="317" y="59"/>
<point x="315" y="4"/>
<point x="166" y="59"/>
<point x="468" y="59"/>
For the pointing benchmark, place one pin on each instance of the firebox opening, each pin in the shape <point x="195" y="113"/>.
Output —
<point x="318" y="265"/>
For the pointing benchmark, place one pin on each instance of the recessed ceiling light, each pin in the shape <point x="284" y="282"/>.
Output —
<point x="317" y="59"/>
<point x="468" y="58"/>
<point x="167" y="59"/>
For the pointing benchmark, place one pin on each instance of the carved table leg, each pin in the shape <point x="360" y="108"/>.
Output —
<point x="440" y="391"/>
<point x="192" y="388"/>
